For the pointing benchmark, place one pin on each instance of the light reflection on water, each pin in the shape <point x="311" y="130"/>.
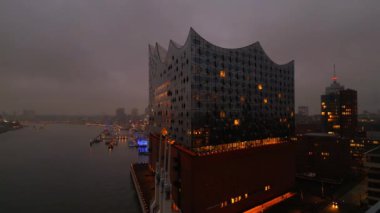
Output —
<point x="55" y="170"/>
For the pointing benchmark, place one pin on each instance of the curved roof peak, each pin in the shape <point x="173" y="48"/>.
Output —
<point x="162" y="52"/>
<point x="255" y="45"/>
<point x="192" y="31"/>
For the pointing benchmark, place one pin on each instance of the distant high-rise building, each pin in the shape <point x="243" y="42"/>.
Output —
<point x="121" y="117"/>
<point x="134" y="113"/>
<point x="221" y="121"/>
<point x="339" y="110"/>
<point x="303" y="110"/>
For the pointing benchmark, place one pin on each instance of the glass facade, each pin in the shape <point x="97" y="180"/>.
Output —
<point x="207" y="95"/>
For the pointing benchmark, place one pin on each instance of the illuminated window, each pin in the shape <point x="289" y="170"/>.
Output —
<point x="323" y="113"/>
<point x="279" y="95"/>
<point x="325" y="153"/>
<point x="232" y="200"/>
<point x="267" y="187"/>
<point x="236" y="122"/>
<point x="260" y="86"/>
<point x="222" y="74"/>
<point x="222" y="114"/>
<point x="265" y="100"/>
<point x="246" y="195"/>
<point x="336" y="126"/>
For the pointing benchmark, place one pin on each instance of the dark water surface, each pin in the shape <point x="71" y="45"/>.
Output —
<point x="55" y="170"/>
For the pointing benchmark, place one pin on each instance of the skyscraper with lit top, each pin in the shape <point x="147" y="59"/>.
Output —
<point x="228" y="117"/>
<point x="339" y="110"/>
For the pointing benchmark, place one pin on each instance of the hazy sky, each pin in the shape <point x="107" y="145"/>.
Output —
<point x="91" y="56"/>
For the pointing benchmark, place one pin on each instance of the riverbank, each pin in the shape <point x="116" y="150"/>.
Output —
<point x="9" y="126"/>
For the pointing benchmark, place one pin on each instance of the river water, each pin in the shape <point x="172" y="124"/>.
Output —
<point x="55" y="170"/>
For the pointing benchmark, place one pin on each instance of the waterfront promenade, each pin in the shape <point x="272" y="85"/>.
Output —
<point x="143" y="180"/>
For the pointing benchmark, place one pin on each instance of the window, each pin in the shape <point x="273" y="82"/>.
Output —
<point x="260" y="87"/>
<point x="222" y="114"/>
<point x="236" y="122"/>
<point x="222" y="74"/>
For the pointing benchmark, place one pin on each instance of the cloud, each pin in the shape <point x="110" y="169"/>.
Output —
<point x="92" y="55"/>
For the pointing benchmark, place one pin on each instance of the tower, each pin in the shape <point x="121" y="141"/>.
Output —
<point x="339" y="109"/>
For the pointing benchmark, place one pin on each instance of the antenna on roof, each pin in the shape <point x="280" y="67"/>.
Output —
<point x="334" y="75"/>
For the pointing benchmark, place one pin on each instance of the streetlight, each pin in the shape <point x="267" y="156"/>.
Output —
<point x="335" y="205"/>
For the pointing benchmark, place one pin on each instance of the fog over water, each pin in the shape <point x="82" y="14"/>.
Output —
<point x="91" y="56"/>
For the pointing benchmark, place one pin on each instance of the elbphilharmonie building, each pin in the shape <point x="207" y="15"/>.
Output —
<point x="227" y="115"/>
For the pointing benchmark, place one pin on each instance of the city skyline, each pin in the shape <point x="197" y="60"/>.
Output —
<point x="85" y="57"/>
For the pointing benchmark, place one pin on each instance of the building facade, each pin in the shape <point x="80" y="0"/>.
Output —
<point x="220" y="110"/>
<point x="339" y="110"/>
<point x="323" y="157"/>
<point x="208" y="95"/>
<point x="372" y="163"/>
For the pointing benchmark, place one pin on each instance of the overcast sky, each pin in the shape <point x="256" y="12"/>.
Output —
<point x="91" y="56"/>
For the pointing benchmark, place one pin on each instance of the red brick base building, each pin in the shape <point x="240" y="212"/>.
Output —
<point x="228" y="181"/>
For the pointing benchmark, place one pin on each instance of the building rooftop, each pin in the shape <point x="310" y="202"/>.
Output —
<point x="319" y="134"/>
<point x="241" y="145"/>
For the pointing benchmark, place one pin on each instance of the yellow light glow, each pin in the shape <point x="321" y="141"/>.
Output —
<point x="265" y="100"/>
<point x="260" y="86"/>
<point x="236" y="122"/>
<point x="222" y="74"/>
<point x="268" y="204"/>
<point x="164" y="131"/>
<point x="222" y="114"/>
<point x="336" y="126"/>
<point x="323" y="113"/>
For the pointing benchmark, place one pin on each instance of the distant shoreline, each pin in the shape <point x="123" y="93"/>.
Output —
<point x="7" y="129"/>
